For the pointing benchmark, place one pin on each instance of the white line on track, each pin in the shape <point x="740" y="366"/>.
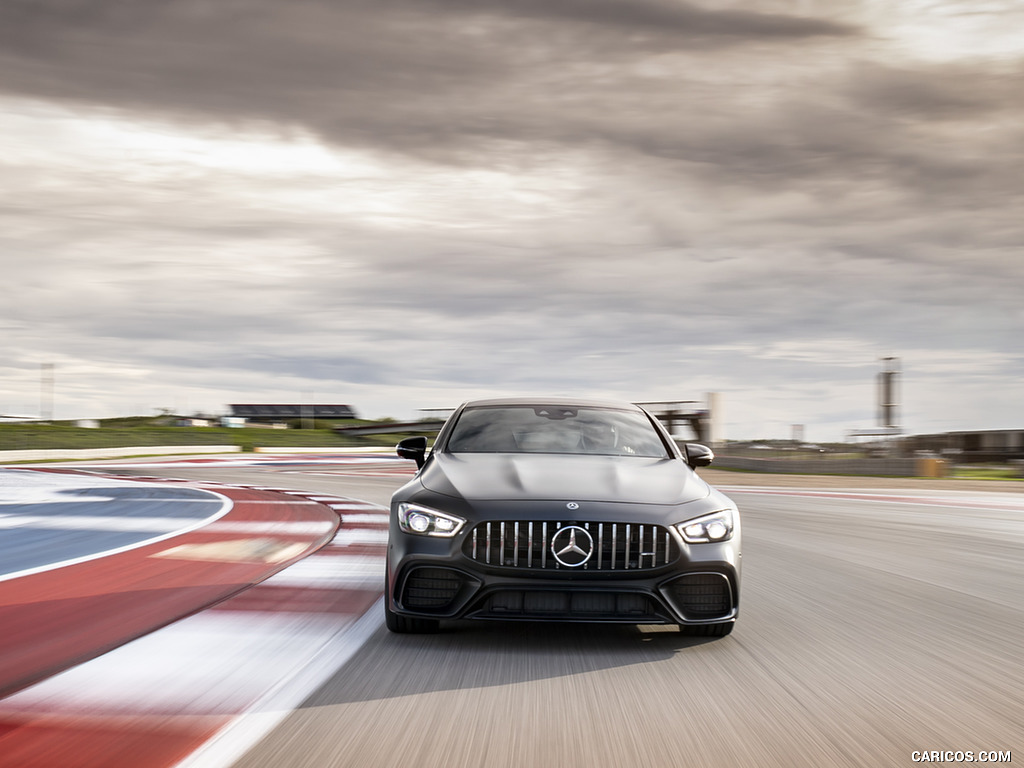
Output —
<point x="92" y="523"/>
<point x="290" y="503"/>
<point x="363" y="517"/>
<point x="284" y="529"/>
<point x="348" y="537"/>
<point x="189" y="526"/>
<point x="250" y="728"/>
<point x="333" y="572"/>
<point x="213" y="662"/>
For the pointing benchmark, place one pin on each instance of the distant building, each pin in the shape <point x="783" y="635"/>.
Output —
<point x="266" y="413"/>
<point x="970" y="446"/>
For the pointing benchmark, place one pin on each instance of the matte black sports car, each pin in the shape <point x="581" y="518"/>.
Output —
<point x="560" y="510"/>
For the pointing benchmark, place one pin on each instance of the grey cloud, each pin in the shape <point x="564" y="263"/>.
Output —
<point x="664" y="17"/>
<point x="310" y="366"/>
<point x="422" y="78"/>
<point x="683" y="200"/>
<point x="410" y="76"/>
<point x="948" y="91"/>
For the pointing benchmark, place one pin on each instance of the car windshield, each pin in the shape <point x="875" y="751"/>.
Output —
<point x="556" y="429"/>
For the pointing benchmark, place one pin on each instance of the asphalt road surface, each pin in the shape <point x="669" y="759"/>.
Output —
<point x="870" y="629"/>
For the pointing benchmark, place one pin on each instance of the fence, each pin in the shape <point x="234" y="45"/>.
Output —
<point x="913" y="467"/>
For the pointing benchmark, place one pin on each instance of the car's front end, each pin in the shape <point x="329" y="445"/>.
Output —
<point x="558" y="560"/>
<point x="567" y="536"/>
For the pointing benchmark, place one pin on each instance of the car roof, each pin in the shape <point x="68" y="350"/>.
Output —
<point x="556" y="401"/>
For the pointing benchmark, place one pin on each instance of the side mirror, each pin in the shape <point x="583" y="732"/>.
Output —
<point x="698" y="455"/>
<point x="414" y="448"/>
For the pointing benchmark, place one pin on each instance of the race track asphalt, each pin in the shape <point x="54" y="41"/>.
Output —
<point x="873" y="625"/>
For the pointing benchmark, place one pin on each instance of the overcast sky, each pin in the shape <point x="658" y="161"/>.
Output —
<point x="402" y="204"/>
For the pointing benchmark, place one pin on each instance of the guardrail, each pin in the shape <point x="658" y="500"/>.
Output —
<point x="912" y="467"/>
<point x="389" y="450"/>
<point x="71" y="454"/>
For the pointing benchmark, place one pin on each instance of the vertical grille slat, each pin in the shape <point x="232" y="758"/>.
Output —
<point x="529" y="546"/>
<point x="615" y="542"/>
<point x="515" y="553"/>
<point x="526" y="544"/>
<point x="544" y="548"/>
<point x="586" y="565"/>
<point x="625" y="564"/>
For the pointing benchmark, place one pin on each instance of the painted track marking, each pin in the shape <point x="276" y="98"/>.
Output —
<point x="289" y="632"/>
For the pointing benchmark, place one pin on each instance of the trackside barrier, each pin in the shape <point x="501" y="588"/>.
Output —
<point x="912" y="467"/>
<point x="67" y="454"/>
<point x="932" y="467"/>
<point x="388" y="449"/>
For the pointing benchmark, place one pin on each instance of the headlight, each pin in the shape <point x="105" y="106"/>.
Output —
<point x="427" y="522"/>
<point x="714" y="527"/>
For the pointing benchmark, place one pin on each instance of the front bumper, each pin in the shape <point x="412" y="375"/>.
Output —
<point x="433" y="578"/>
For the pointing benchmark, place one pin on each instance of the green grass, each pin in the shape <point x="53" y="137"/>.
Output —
<point x="986" y="473"/>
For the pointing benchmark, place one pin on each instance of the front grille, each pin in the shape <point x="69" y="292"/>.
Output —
<point x="431" y="588"/>
<point x="702" y="595"/>
<point x="563" y="605"/>
<point x="613" y="546"/>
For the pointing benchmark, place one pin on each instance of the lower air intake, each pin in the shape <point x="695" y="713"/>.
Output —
<point x="702" y="596"/>
<point x="570" y="605"/>
<point x="431" y="588"/>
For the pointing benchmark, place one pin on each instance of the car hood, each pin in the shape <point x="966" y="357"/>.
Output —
<point x="505" y="476"/>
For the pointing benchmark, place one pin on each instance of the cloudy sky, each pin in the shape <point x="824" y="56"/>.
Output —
<point x="402" y="204"/>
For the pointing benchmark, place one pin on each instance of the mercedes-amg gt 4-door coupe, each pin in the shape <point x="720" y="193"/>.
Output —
<point x="560" y="510"/>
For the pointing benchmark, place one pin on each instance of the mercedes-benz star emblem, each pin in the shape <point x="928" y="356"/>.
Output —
<point x="572" y="546"/>
<point x="572" y="505"/>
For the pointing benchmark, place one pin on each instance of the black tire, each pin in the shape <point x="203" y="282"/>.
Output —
<point x="707" y="630"/>
<point x="407" y="625"/>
